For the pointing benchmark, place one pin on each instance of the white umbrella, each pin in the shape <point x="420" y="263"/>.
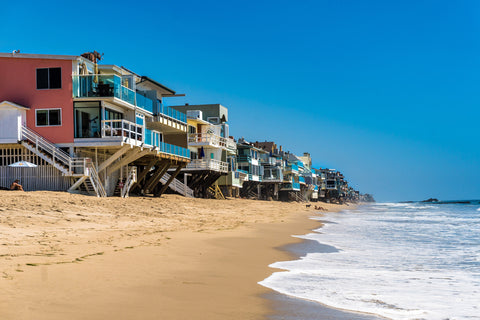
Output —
<point x="23" y="164"/>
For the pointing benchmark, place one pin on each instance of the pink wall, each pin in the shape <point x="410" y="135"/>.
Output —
<point x="18" y="84"/>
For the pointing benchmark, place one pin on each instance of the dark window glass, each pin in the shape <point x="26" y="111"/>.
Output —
<point x="42" y="117"/>
<point x="54" y="118"/>
<point x="42" y="78"/>
<point x="49" y="78"/>
<point x="49" y="117"/>
<point x="55" y="78"/>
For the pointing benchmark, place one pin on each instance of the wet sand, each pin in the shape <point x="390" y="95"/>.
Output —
<point x="67" y="256"/>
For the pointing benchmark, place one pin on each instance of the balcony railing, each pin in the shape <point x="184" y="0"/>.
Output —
<point x="164" y="110"/>
<point x="207" y="164"/>
<point x="273" y="175"/>
<point x="291" y="168"/>
<point x="244" y="158"/>
<point x="295" y="186"/>
<point x="122" y="128"/>
<point x="268" y="161"/>
<point x="105" y="86"/>
<point x="136" y="132"/>
<point x="210" y="139"/>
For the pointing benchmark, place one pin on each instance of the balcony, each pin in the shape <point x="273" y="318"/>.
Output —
<point x="272" y="175"/>
<point x="122" y="129"/>
<point x="301" y="180"/>
<point x="291" y="168"/>
<point x="269" y="161"/>
<point x="108" y="86"/>
<point x="236" y="178"/>
<point x="294" y="186"/>
<point x="135" y="134"/>
<point x="244" y="158"/>
<point x="164" y="110"/>
<point x="254" y="177"/>
<point x="210" y="139"/>
<point x="331" y="185"/>
<point x="207" y="164"/>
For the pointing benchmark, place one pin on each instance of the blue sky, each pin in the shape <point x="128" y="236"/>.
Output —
<point x="385" y="91"/>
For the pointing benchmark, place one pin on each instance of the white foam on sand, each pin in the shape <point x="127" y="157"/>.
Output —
<point x="379" y="269"/>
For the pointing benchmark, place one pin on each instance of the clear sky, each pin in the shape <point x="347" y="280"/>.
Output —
<point x="385" y="91"/>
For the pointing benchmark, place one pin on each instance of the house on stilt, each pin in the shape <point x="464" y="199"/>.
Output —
<point x="99" y="129"/>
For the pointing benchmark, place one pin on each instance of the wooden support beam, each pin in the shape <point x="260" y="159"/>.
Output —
<point x="114" y="157"/>
<point x="155" y="178"/>
<point x="134" y="155"/>
<point x="165" y="186"/>
<point x="77" y="184"/>
<point x="143" y="174"/>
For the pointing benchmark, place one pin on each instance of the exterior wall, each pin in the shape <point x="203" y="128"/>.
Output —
<point x="18" y="84"/>
<point x="176" y="139"/>
<point x="208" y="110"/>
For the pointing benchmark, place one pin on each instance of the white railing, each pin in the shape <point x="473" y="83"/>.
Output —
<point x="61" y="160"/>
<point x="207" y="164"/>
<point x="122" y="128"/>
<point x="230" y="144"/>
<point x="42" y="146"/>
<point x="93" y="174"/>
<point x="211" y="140"/>
<point x="177" y="185"/>
<point x="129" y="181"/>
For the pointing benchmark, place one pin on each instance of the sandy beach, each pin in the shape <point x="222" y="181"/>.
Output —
<point x="69" y="256"/>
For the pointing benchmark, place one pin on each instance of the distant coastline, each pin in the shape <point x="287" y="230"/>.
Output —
<point x="436" y="201"/>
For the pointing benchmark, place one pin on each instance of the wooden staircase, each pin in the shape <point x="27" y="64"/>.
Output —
<point x="77" y="168"/>
<point x="124" y="185"/>
<point x="215" y="192"/>
<point x="294" y="196"/>
<point x="177" y="186"/>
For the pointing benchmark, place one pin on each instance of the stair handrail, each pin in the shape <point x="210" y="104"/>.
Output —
<point x="178" y="186"/>
<point x="130" y="180"/>
<point x="56" y="153"/>
<point x="92" y="172"/>
<point x="48" y="146"/>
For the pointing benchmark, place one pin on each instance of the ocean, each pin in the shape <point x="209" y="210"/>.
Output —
<point x="394" y="260"/>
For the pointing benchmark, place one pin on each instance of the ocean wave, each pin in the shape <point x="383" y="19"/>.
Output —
<point x="393" y="261"/>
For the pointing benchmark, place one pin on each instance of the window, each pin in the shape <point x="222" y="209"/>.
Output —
<point x="87" y="120"/>
<point x="48" y="117"/>
<point x="49" y="78"/>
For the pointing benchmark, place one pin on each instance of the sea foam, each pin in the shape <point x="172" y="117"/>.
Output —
<point x="401" y="262"/>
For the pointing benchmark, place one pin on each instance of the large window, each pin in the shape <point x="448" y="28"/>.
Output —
<point x="49" y="78"/>
<point x="87" y="120"/>
<point x="48" y="117"/>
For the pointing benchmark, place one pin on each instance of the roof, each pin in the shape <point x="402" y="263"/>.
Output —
<point x="38" y="56"/>
<point x="145" y="78"/>
<point x="12" y="104"/>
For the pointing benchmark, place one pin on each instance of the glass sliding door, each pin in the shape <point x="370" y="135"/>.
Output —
<point x="87" y="119"/>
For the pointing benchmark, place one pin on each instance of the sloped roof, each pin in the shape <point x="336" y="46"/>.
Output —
<point x="13" y="105"/>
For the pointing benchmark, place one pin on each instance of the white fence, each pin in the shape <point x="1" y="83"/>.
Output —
<point x="44" y="177"/>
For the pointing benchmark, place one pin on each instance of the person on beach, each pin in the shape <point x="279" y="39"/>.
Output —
<point x="16" y="185"/>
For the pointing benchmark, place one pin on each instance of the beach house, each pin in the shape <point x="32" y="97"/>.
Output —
<point x="273" y="165"/>
<point x="101" y="129"/>
<point x="310" y="177"/>
<point x="210" y="146"/>
<point x="249" y="160"/>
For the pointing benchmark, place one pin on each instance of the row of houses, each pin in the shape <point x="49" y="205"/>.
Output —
<point x="108" y="131"/>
